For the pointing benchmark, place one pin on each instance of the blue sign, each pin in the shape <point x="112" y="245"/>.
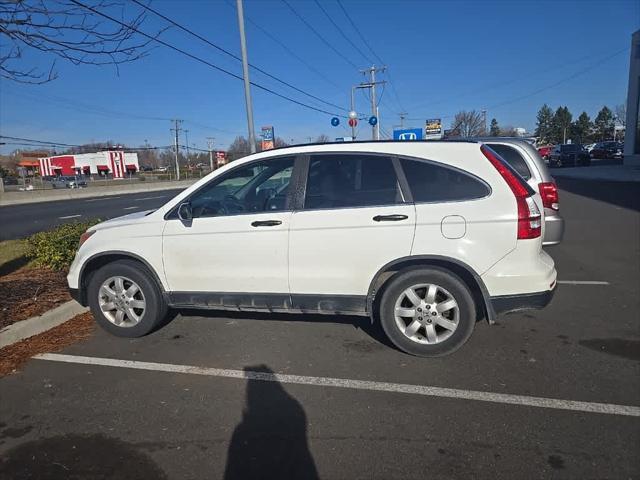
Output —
<point x="373" y="120"/>
<point x="335" y="121"/>
<point x="408" y="134"/>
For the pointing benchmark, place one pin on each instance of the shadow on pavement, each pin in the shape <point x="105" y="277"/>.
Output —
<point x="271" y="440"/>
<point x="373" y="329"/>
<point x="77" y="456"/>
<point x="13" y="265"/>
<point x="622" y="194"/>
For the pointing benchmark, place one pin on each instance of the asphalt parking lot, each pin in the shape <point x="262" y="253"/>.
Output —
<point x="543" y="394"/>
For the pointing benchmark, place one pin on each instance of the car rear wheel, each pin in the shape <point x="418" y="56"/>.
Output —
<point x="427" y="312"/>
<point x="125" y="299"/>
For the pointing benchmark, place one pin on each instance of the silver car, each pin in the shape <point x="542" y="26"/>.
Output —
<point x="77" y="181"/>
<point x="526" y="160"/>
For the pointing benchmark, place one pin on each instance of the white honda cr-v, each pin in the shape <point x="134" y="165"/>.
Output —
<point x="425" y="237"/>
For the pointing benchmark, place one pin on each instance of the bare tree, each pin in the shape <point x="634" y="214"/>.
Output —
<point x="323" y="138"/>
<point x="64" y="29"/>
<point x="467" y="124"/>
<point x="621" y="114"/>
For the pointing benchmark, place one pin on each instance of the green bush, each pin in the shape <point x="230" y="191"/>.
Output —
<point x="56" y="248"/>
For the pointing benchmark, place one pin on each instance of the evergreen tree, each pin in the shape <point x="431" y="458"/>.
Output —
<point x="561" y="125"/>
<point x="544" y="124"/>
<point x="604" y="124"/>
<point x="581" y="129"/>
<point x="494" y="130"/>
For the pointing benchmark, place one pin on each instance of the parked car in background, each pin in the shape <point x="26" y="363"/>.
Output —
<point x="569" y="155"/>
<point x="146" y="168"/>
<point x="424" y="237"/>
<point x="607" y="150"/>
<point x="525" y="160"/>
<point x="77" y="181"/>
<point x="589" y="146"/>
<point x="162" y="169"/>
<point x="545" y="151"/>
<point x="10" y="180"/>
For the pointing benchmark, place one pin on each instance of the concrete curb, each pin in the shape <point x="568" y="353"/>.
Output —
<point x="36" y="196"/>
<point x="35" y="325"/>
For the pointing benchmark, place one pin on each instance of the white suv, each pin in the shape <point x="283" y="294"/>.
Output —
<point x="426" y="237"/>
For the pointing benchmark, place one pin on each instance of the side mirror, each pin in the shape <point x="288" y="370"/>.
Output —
<point x="184" y="212"/>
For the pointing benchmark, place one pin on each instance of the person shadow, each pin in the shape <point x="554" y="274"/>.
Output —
<point x="271" y="440"/>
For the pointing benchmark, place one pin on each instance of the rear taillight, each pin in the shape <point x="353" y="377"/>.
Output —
<point x="549" y="194"/>
<point x="529" y="217"/>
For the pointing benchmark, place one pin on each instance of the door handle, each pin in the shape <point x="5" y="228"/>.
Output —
<point x="389" y="218"/>
<point x="266" y="223"/>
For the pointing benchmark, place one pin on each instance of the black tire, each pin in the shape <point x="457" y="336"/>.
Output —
<point x="156" y="307"/>
<point x="431" y="275"/>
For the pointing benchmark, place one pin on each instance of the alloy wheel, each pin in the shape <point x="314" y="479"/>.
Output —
<point x="121" y="301"/>
<point x="427" y="313"/>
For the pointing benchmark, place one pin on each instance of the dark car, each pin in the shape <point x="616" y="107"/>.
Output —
<point x="569" y="155"/>
<point x="10" y="180"/>
<point x="146" y="168"/>
<point x="607" y="150"/>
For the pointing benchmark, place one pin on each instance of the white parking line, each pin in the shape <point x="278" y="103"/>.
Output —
<point x="69" y="216"/>
<point x="148" y="198"/>
<point x="582" y="282"/>
<point x="522" y="400"/>
<point x="130" y="208"/>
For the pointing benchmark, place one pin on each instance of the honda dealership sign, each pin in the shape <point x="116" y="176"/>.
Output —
<point x="408" y="134"/>
<point x="433" y="129"/>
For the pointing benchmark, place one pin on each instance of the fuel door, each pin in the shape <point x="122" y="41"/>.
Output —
<point x="453" y="227"/>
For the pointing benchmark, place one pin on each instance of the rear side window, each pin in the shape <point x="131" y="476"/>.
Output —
<point x="430" y="182"/>
<point x="513" y="158"/>
<point x="351" y="180"/>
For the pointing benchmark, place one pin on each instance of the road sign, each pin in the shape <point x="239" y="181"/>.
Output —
<point x="373" y="120"/>
<point x="353" y="122"/>
<point x="433" y="128"/>
<point x="268" y="138"/>
<point x="408" y="134"/>
<point x="335" y="121"/>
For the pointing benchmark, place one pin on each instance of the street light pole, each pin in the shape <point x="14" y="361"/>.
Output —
<point x="245" y="75"/>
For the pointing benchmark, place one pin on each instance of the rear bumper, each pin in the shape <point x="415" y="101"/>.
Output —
<point x="553" y="229"/>
<point x="517" y="303"/>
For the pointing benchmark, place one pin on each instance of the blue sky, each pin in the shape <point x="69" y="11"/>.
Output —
<point x="508" y="57"/>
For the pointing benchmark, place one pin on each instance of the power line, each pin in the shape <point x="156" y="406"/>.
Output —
<point x="44" y="143"/>
<point x="362" y="37"/>
<point x="553" y="85"/>
<point x="337" y="52"/>
<point x="342" y="32"/>
<point x="205" y="62"/>
<point x="232" y="55"/>
<point x="289" y="51"/>
<point x="368" y="45"/>
<point x="71" y="104"/>
<point x="561" y="81"/>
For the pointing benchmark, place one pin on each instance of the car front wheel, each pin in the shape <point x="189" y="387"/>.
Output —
<point x="427" y="312"/>
<point x="125" y="300"/>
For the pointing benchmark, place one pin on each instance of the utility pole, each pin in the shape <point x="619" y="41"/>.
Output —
<point x="402" y="115"/>
<point x="210" y="141"/>
<point x="245" y="75"/>
<point x="177" y="129"/>
<point x="375" y="129"/>
<point x="186" y="143"/>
